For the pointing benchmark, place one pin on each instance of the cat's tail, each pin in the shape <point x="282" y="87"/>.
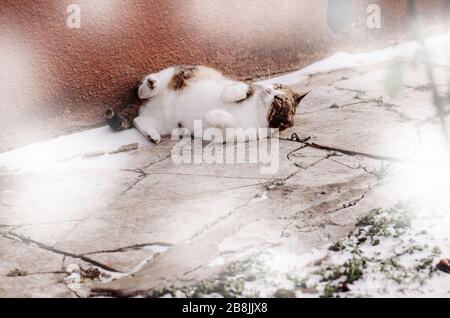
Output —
<point x="113" y="120"/>
<point x="124" y="119"/>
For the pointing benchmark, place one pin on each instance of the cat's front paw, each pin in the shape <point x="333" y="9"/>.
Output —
<point x="149" y="87"/>
<point x="236" y="93"/>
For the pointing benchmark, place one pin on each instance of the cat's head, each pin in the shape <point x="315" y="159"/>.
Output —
<point x="282" y="102"/>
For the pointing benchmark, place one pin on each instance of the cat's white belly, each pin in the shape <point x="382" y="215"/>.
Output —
<point x="187" y="107"/>
<point x="245" y="112"/>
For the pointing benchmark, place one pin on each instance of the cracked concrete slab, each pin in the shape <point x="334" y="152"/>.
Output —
<point x="148" y="224"/>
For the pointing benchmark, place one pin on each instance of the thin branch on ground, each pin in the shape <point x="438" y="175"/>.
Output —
<point x="305" y="142"/>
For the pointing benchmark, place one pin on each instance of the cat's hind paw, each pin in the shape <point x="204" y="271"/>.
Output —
<point x="154" y="139"/>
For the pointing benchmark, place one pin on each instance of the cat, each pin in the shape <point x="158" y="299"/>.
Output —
<point x="176" y="97"/>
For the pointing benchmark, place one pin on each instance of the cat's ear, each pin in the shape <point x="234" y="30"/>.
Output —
<point x="299" y="95"/>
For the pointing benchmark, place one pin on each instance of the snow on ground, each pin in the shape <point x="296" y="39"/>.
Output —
<point x="391" y="253"/>
<point x="70" y="148"/>
<point x="340" y="60"/>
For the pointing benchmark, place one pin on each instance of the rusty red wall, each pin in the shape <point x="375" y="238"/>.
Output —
<point x="54" y="79"/>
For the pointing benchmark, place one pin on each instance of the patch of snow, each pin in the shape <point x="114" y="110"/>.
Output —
<point x="286" y="262"/>
<point x="219" y="261"/>
<point x="154" y="251"/>
<point x="71" y="148"/>
<point x="342" y="60"/>
<point x="72" y="268"/>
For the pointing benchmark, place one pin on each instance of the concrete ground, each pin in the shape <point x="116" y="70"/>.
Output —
<point x="135" y="223"/>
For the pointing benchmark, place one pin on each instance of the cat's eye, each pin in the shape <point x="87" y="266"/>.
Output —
<point x="278" y="99"/>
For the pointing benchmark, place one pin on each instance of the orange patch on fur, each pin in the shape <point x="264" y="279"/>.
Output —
<point x="182" y="74"/>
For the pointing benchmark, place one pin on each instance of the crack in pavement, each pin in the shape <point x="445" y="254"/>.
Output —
<point x="17" y="226"/>
<point x="190" y="196"/>
<point x="379" y="102"/>
<point x="141" y="176"/>
<point x="141" y="173"/>
<point x="357" y="91"/>
<point x="181" y="260"/>
<point x="230" y="213"/>
<point x="125" y="170"/>
<point x="25" y="274"/>
<point x="386" y="106"/>
<point x="288" y="156"/>
<point x="191" y="271"/>
<point x="206" y="176"/>
<point x="327" y="156"/>
<point x="344" y="206"/>
<point x="380" y="174"/>
<point x="321" y="158"/>
<point x="129" y="248"/>
<point x="347" y="205"/>
<point x="277" y="182"/>
<point x="313" y="227"/>
<point x="309" y="211"/>
<point x="28" y="241"/>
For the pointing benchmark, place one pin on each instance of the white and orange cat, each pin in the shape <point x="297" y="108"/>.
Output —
<point x="176" y="97"/>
